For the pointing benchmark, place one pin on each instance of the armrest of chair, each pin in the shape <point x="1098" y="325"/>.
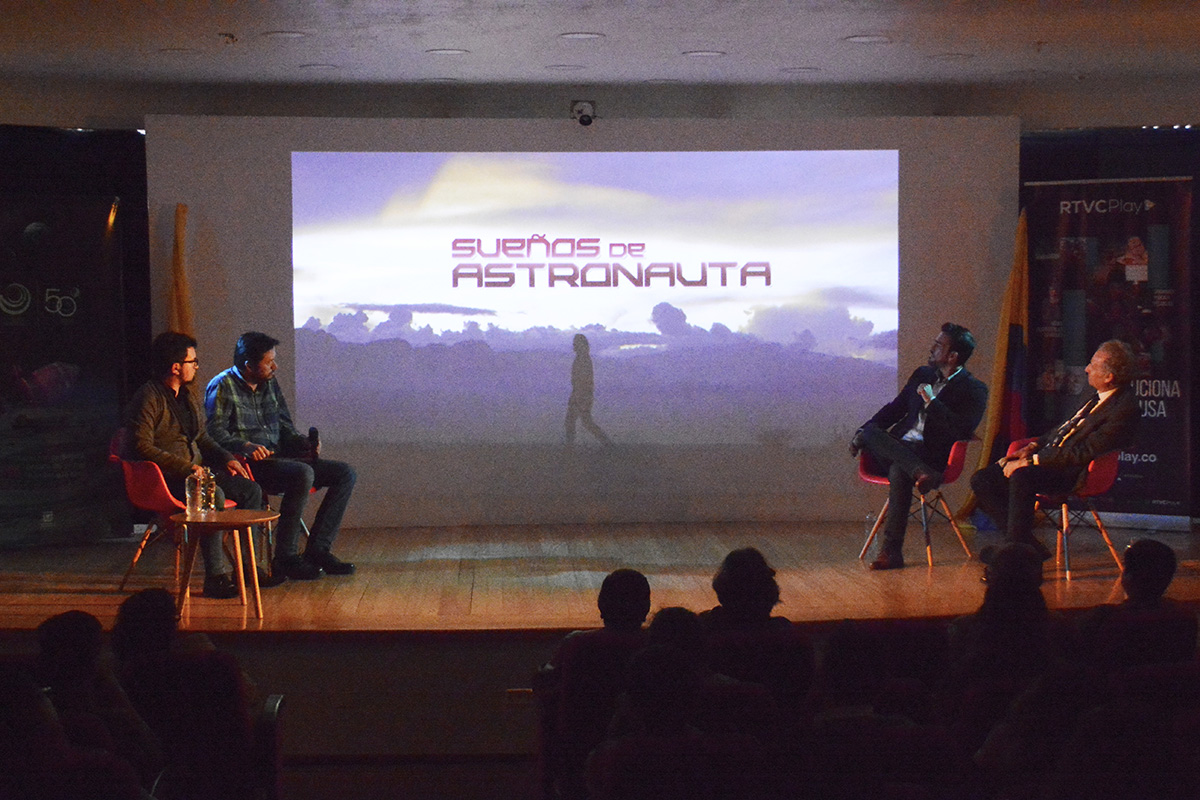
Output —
<point x="267" y="761"/>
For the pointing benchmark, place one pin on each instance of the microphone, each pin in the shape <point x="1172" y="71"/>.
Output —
<point x="314" y="441"/>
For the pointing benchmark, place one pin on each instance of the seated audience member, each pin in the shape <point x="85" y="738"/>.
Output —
<point x="747" y="592"/>
<point x="869" y="730"/>
<point x="147" y="627"/>
<point x="39" y="762"/>
<point x="1022" y="751"/>
<point x="164" y="423"/>
<point x="93" y="708"/>
<point x="1147" y="628"/>
<point x="996" y="652"/>
<point x="248" y="415"/>
<point x="662" y="756"/>
<point x="746" y="641"/>
<point x="577" y="690"/>
<point x="195" y="698"/>
<point x="725" y="704"/>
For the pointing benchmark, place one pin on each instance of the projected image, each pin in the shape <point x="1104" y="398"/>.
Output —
<point x="594" y="298"/>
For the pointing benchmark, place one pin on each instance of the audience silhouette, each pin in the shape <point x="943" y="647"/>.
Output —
<point x="194" y="697"/>
<point x="578" y="689"/>
<point x="89" y="700"/>
<point x="747" y="642"/>
<point x="1006" y="703"/>
<point x="38" y="761"/>
<point x="1147" y="628"/>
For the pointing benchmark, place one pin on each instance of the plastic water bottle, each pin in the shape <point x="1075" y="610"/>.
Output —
<point x="208" y="497"/>
<point x="195" y="495"/>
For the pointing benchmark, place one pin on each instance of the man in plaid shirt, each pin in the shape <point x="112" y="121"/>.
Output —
<point x="247" y="415"/>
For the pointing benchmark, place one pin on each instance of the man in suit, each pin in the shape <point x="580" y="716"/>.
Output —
<point x="911" y="436"/>
<point x="1056" y="463"/>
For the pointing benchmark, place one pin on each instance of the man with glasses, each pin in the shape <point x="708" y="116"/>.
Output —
<point x="247" y="414"/>
<point x="164" y="423"/>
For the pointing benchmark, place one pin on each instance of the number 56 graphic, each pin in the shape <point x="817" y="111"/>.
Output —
<point x="62" y="304"/>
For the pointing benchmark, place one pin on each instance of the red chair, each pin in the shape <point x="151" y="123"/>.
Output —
<point x="1101" y="475"/>
<point x="147" y="489"/>
<point x="934" y="502"/>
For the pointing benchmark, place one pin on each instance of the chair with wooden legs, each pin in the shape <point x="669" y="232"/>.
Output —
<point x="1101" y="475"/>
<point x="926" y="504"/>
<point x="147" y="490"/>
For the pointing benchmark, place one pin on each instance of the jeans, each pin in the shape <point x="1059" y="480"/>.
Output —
<point x="294" y="479"/>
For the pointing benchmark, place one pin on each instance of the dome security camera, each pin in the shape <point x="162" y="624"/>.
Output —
<point x="584" y="111"/>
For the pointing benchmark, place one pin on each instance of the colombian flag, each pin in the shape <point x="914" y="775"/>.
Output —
<point x="1006" y="419"/>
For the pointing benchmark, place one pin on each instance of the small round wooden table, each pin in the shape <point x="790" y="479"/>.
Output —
<point x="234" y="520"/>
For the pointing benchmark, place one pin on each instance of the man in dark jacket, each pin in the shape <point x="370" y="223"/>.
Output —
<point x="1056" y="463"/>
<point x="165" y="424"/>
<point x="910" y="437"/>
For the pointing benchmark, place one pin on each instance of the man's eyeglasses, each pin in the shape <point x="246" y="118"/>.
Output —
<point x="195" y="361"/>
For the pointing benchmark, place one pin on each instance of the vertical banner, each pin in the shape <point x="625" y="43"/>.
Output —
<point x="1110" y="259"/>
<point x="61" y="359"/>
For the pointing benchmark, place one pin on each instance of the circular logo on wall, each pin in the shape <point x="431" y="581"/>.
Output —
<point x="15" y="300"/>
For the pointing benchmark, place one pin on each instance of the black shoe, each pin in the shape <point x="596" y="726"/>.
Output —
<point x="888" y="560"/>
<point x="220" y="587"/>
<point x="329" y="562"/>
<point x="296" y="568"/>
<point x="266" y="581"/>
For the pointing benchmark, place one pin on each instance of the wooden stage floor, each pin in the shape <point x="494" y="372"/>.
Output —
<point x="541" y="577"/>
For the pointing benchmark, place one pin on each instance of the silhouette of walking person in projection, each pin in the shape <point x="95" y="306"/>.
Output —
<point x="583" y="388"/>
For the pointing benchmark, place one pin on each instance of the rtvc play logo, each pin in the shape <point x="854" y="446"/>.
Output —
<point x="1112" y="206"/>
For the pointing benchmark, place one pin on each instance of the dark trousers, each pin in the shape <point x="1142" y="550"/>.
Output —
<point x="294" y="479"/>
<point x="1010" y="501"/>
<point x="902" y="461"/>
<point x="247" y="494"/>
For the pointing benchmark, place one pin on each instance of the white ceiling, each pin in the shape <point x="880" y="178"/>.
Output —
<point x="522" y="41"/>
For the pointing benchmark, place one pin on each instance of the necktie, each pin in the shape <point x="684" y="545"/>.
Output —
<point x="1071" y="425"/>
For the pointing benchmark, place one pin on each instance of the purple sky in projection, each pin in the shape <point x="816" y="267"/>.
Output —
<point x="372" y="261"/>
<point x="334" y="187"/>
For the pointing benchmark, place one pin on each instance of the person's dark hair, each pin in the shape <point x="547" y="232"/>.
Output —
<point x="1120" y="360"/>
<point x="1149" y="568"/>
<point x="679" y="627"/>
<point x="251" y="347"/>
<point x="624" y="599"/>
<point x="1014" y="584"/>
<point x="745" y="583"/>
<point x="145" y="624"/>
<point x="962" y="341"/>
<point x="69" y="646"/>
<point x="168" y="349"/>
